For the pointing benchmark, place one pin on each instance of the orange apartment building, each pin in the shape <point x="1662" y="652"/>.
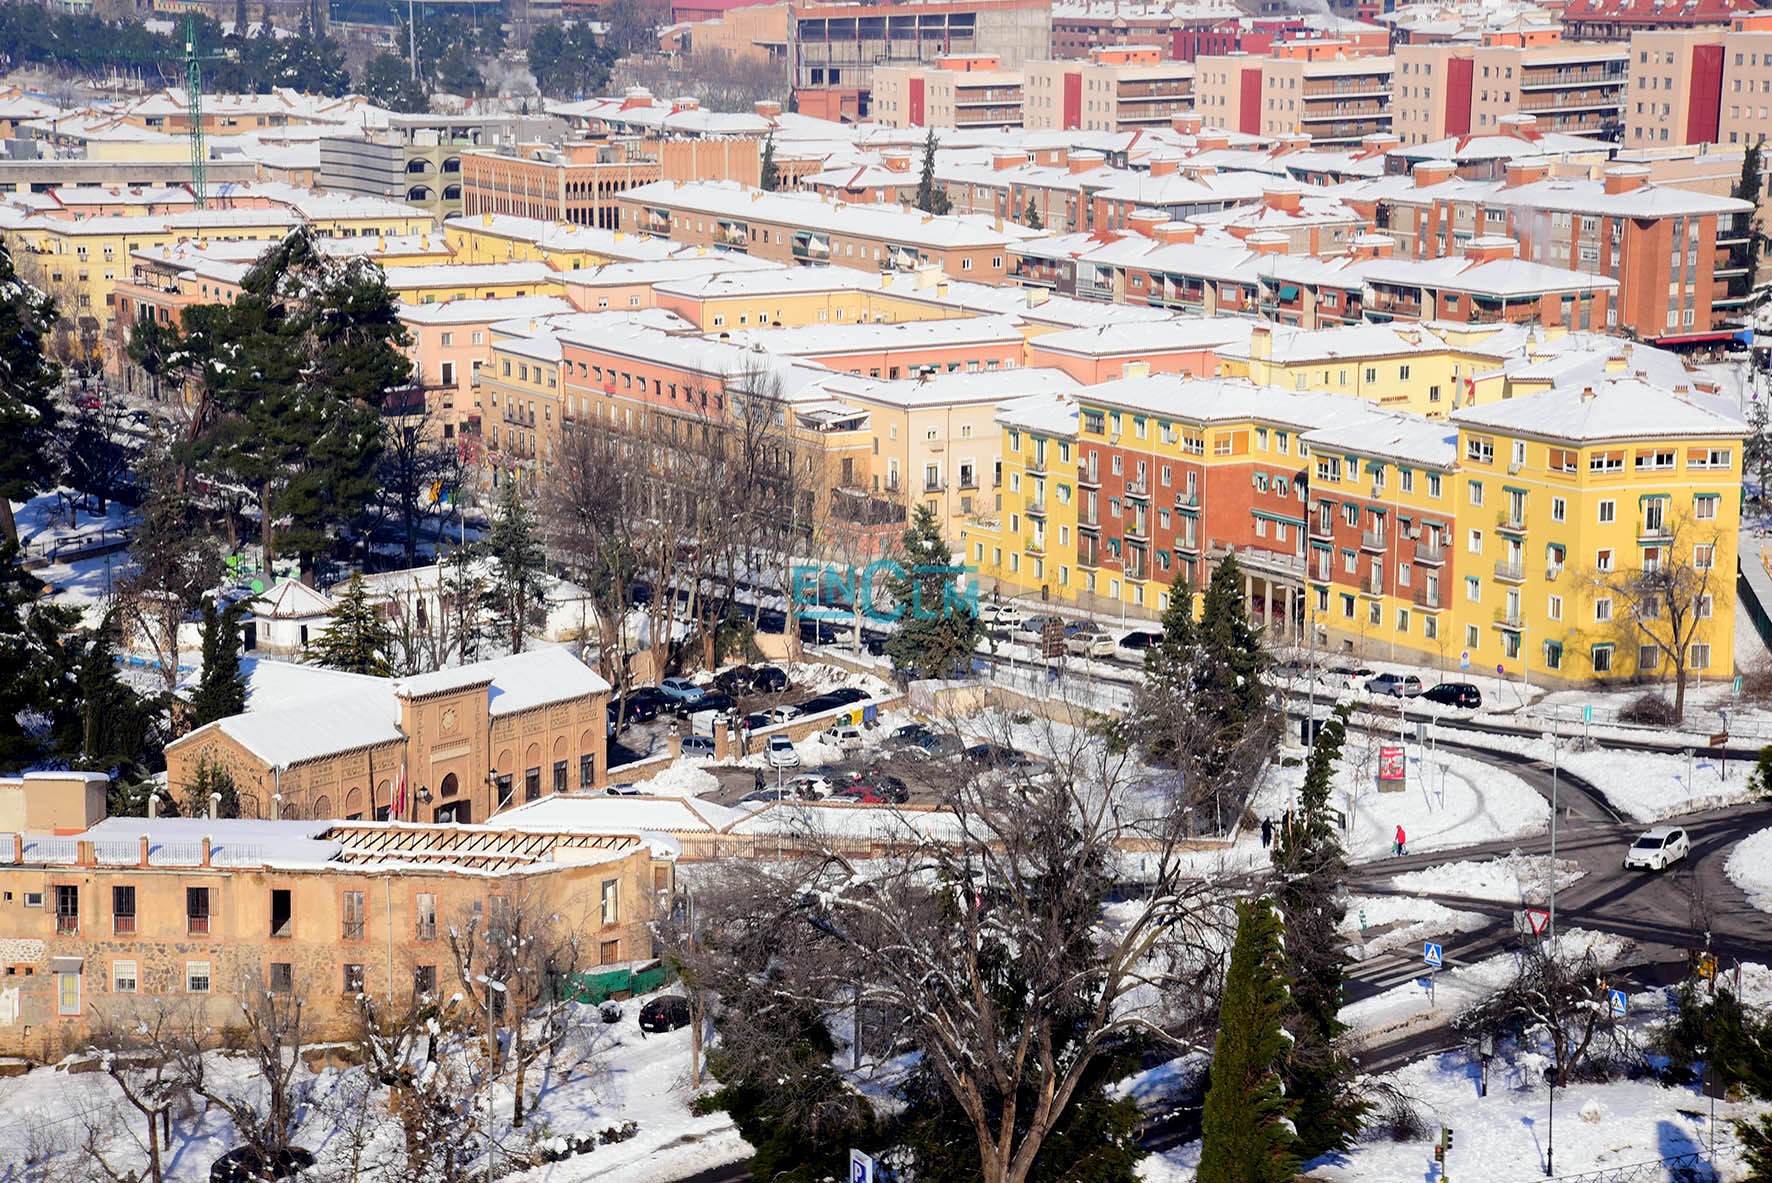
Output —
<point x="962" y="92"/>
<point x="575" y="183"/>
<point x="1449" y="90"/>
<point x="802" y="228"/>
<point x="1319" y="88"/>
<point x="1115" y="88"/>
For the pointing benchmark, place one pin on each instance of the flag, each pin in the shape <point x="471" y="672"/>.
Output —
<point x="399" y="802"/>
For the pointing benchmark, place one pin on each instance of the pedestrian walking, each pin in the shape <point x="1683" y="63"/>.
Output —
<point x="1402" y="844"/>
<point x="1267" y="831"/>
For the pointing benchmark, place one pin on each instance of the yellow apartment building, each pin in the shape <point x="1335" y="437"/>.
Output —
<point x="1400" y="367"/>
<point x="436" y="283"/>
<point x="1582" y="504"/>
<point x="504" y="238"/>
<point x="1030" y="542"/>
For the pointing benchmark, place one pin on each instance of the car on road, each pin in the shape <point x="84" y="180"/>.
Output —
<point x="772" y="717"/>
<point x="1454" y="694"/>
<point x="667" y="1012"/>
<point x="781" y="752"/>
<point x="1034" y="628"/>
<point x="698" y="745"/>
<point x="247" y="1165"/>
<point x="1395" y="685"/>
<point x="1087" y="639"/>
<point x="1140" y="639"/>
<point x="1654" y="849"/>
<point x="845" y="736"/>
<point x="999" y="614"/>
<point x="680" y="690"/>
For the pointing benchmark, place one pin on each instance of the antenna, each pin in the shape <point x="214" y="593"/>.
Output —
<point x="194" y="93"/>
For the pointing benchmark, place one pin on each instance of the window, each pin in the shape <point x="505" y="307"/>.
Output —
<point x="1471" y="636"/>
<point x="1473" y="589"/>
<point x="1475" y="542"/>
<point x="1554" y="608"/>
<point x="1606" y="462"/>
<point x="282" y="913"/>
<point x="282" y="977"/>
<point x="67" y="994"/>
<point x="67" y="910"/>
<point x="123" y="911"/>
<point x="1406" y="479"/>
<point x="354" y="916"/>
<point x="197" y="910"/>
<point x="125" y="977"/>
<point x="1476" y="492"/>
<point x="1704" y="557"/>
<point x="1559" y="509"/>
<point x="611" y="901"/>
<point x="424" y="979"/>
<point x="587" y="771"/>
<point x="1433" y="485"/>
<point x="559" y="776"/>
<point x="1648" y="657"/>
<point x="353" y="979"/>
<point x="1702" y="607"/>
<point x="1698" y="657"/>
<point x="1603" y="609"/>
<point x="1479" y="449"/>
<point x="196" y="977"/>
<point x="424" y="910"/>
<point x="1704" y="507"/>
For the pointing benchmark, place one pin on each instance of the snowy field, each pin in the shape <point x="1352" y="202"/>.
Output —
<point x="1750" y="868"/>
<point x="1380" y="923"/>
<point x="1512" y="879"/>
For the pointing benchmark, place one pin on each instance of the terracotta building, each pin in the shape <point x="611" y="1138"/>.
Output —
<point x="451" y="746"/>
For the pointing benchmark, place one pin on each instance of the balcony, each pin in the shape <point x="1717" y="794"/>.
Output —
<point x="1372" y="585"/>
<point x="1037" y="461"/>
<point x="197" y="926"/>
<point x="67" y="926"/>
<point x="1512" y="520"/>
<point x="1088" y="521"/>
<point x="1035" y="508"/>
<point x="1509" y="617"/>
<point x="1035" y="546"/>
<point x="1655" y="530"/>
<point x="1510" y="571"/>
<point x="1430" y="598"/>
<point x="1187" y="501"/>
<point x="1138" y="490"/>
<point x="1372" y="540"/>
<point x="1188" y="542"/>
<point x="1139" y="528"/>
<point x="1322" y="527"/>
<point x="123" y="926"/>
<point x="1089" y="476"/>
<point x="1431" y="553"/>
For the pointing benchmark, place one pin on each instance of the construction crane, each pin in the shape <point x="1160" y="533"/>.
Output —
<point x="194" y="95"/>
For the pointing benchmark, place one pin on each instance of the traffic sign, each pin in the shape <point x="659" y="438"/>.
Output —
<point x="1587" y="714"/>
<point x="1616" y="999"/>
<point x="861" y="1167"/>
<point x="1430" y="953"/>
<point x="1052" y="638"/>
<point x="1719" y="738"/>
<point x="1737" y="685"/>
<point x="1464" y="660"/>
<point x="1537" y="918"/>
<point x="1500" y="670"/>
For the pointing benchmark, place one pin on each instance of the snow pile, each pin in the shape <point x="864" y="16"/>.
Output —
<point x="1750" y="868"/>
<point x="681" y="780"/>
<point x="1512" y="879"/>
<point x="1384" y="922"/>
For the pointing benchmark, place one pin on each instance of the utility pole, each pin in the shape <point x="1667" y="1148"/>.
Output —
<point x="1551" y="926"/>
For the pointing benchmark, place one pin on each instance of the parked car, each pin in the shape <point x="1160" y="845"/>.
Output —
<point x="1654" y="849"/>
<point x="935" y="746"/>
<point x="736" y="680"/>
<point x="646" y="702"/>
<point x="667" y="1012"/>
<point x="811" y="786"/>
<point x="1395" y="685"/>
<point x="1454" y="694"/>
<point x="1350" y="676"/>
<point x="999" y="614"/>
<point x="680" y="690"/>
<point x="996" y="755"/>
<point x="698" y="745"/>
<point x="859" y="795"/>
<point x="769" y="679"/>
<point x="772" y="793"/>
<point x="87" y="402"/>
<point x="844" y="695"/>
<point x="625" y="788"/>
<point x="717" y="701"/>
<point x="1140" y="640"/>
<point x="846" y="736"/>
<point x="247" y="1165"/>
<point x="883" y="785"/>
<point x="1034" y="627"/>
<point x="781" y="752"/>
<point x="1088" y="640"/>
<point x="769" y="718"/>
<point x="909" y="735"/>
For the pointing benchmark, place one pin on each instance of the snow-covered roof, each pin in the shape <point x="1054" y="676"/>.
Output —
<point x="291" y="599"/>
<point x="519" y="681"/>
<point x="234" y="842"/>
<point x="606" y="814"/>
<point x="1627" y="408"/>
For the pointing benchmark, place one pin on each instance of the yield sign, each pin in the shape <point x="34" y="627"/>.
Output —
<point x="1537" y="918"/>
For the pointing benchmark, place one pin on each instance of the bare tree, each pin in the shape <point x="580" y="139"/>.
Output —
<point x="514" y="959"/>
<point x="1563" y="996"/>
<point x="979" y="937"/>
<point x="413" y="463"/>
<point x="590" y="522"/>
<point x="140" y="1052"/>
<point x="418" y="1050"/>
<point x="173" y="563"/>
<point x="1661" y="603"/>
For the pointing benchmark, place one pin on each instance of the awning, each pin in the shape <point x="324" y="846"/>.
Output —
<point x="65" y="965"/>
<point x="1288" y="291"/>
<point x="1704" y="338"/>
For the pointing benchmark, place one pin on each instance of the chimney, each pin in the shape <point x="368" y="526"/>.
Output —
<point x="1188" y="123"/>
<point x="897" y="160"/>
<point x="1174" y="232"/>
<point x="141" y="859"/>
<point x="84" y="852"/>
<point x="769" y="108"/>
<point x="1587" y="394"/>
<point x="1268" y="242"/>
<point x="1162" y="166"/>
<point x="1136" y="369"/>
<point x="1145" y="221"/>
<point x="214" y="805"/>
<point x="1525" y="170"/>
<point x="1215" y="140"/>
<point x="1616" y="363"/>
<point x="1082" y="162"/>
<point x="1037" y="297"/>
<point x="1261" y="340"/>
<point x="208" y="847"/>
<point x="1378" y="143"/>
<point x="153" y="806"/>
<point x="1490" y="247"/>
<point x="1434" y="172"/>
<point x="999" y="160"/>
<point x="1372" y="246"/>
<point x="1624" y="178"/>
<point x="1291" y="142"/>
<point x="1281" y="199"/>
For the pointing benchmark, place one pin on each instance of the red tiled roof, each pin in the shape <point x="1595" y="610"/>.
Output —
<point x="1657" y="12"/>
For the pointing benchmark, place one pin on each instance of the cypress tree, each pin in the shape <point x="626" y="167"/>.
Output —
<point x="518" y="561"/>
<point x="938" y="631"/>
<point x="27" y="397"/>
<point x="221" y="689"/>
<point x="1245" y="1126"/>
<point x="931" y="197"/>
<point x="1310" y="870"/>
<point x="1031" y="219"/>
<point x="357" y="640"/>
<point x="211" y="777"/>
<point x="769" y="174"/>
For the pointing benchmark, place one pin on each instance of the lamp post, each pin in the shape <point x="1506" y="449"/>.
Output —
<point x="492" y="988"/>
<point x="1550" y="1137"/>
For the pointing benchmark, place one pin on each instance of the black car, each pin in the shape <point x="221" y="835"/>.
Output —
<point x="247" y="1165"/>
<point x="882" y="784"/>
<point x="1140" y="640"/>
<point x="646" y="702"/>
<point x="708" y="702"/>
<point x="1454" y="694"/>
<point x="769" y="679"/>
<point x="844" y="695"/>
<point x="667" y="1012"/>
<point x="910" y="733"/>
<point x="735" y="680"/>
<point x="995" y="755"/>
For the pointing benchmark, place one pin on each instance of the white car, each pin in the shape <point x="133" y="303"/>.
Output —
<point x="846" y="736"/>
<point x="1658" y="847"/>
<point x="781" y="752"/>
<point x="812" y="786"/>
<point x="1088" y="640"/>
<point x="999" y="614"/>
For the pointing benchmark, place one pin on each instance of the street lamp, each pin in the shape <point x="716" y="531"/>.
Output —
<point x="492" y="988"/>
<point x="1550" y="1138"/>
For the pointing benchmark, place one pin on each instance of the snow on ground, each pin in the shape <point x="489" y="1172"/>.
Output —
<point x="681" y="779"/>
<point x="1750" y="868"/>
<point x="1383" y="922"/>
<point x="1448" y="801"/>
<point x="1514" y="879"/>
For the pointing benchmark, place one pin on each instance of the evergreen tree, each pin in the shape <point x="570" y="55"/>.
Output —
<point x="35" y="665"/>
<point x="1245" y="1124"/>
<point x="357" y="640"/>
<point x="1031" y="219"/>
<point x="104" y="725"/>
<point x="938" y="630"/>
<point x="221" y="689"/>
<point x="28" y="380"/>
<point x="1748" y="188"/>
<point x="770" y="178"/>
<point x="1757" y="451"/>
<point x="211" y="777"/>
<point x="931" y="197"/>
<point x="518" y="563"/>
<point x="463" y="593"/>
<point x="388" y="82"/>
<point x="1311" y="872"/>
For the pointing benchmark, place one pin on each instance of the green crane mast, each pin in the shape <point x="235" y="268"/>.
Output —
<point x="194" y="94"/>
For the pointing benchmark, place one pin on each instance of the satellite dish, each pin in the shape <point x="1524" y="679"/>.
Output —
<point x="258" y="587"/>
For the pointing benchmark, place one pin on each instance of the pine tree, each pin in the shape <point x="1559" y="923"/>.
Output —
<point x="518" y="563"/>
<point x="1031" y="219"/>
<point x="27" y="395"/>
<point x="357" y="640"/>
<point x="1311" y="872"/>
<point x="209" y="778"/>
<point x="221" y="689"/>
<point x="36" y="676"/>
<point x="1245" y="1124"/>
<point x="1747" y="188"/>
<point x="106" y="726"/>
<point x="770" y="173"/>
<point x="1757" y="452"/>
<point x="937" y="630"/>
<point x="931" y="197"/>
